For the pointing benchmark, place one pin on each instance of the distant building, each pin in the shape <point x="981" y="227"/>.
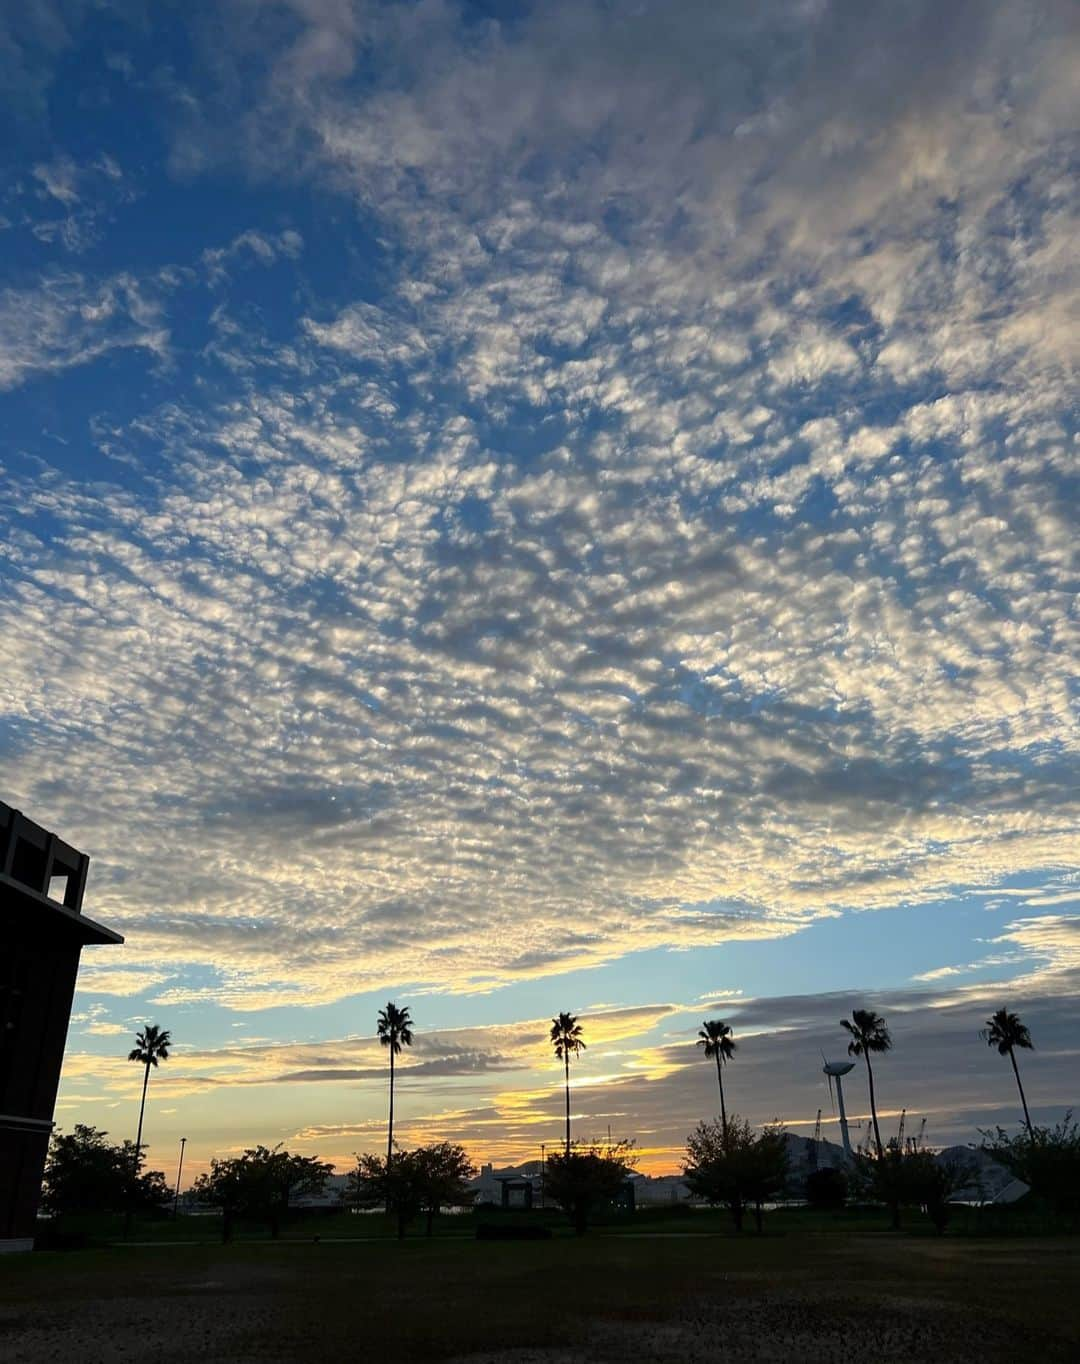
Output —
<point x="989" y="1182"/>
<point x="517" y="1186"/>
<point x="42" y="933"/>
<point x="660" y="1190"/>
<point x="506" y="1187"/>
<point x="330" y="1197"/>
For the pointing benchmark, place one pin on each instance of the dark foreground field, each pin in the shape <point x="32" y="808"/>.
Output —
<point x="664" y="1297"/>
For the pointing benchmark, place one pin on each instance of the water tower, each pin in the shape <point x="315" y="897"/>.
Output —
<point x="835" y="1070"/>
<point x="42" y="932"/>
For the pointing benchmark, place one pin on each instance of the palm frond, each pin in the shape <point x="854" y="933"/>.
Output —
<point x="567" y="1036"/>
<point x="1007" y="1031"/>
<point x="868" y="1032"/>
<point x="394" y="1028"/>
<point x="715" y="1036"/>
<point x="151" y="1045"/>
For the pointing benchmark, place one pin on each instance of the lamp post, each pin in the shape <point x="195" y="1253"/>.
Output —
<point x="179" y="1168"/>
<point x="543" y="1172"/>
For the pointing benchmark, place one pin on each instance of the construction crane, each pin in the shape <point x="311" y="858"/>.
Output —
<point x="815" y="1145"/>
<point x="900" y="1131"/>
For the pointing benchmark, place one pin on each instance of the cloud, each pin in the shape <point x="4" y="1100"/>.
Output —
<point x="95" y="1022"/>
<point x="117" y="980"/>
<point x="69" y="320"/>
<point x="498" y="1089"/>
<point x="251" y="247"/>
<point x="1053" y="939"/>
<point x="58" y="179"/>
<point x="31" y="40"/>
<point x="441" y="1053"/>
<point x="674" y="547"/>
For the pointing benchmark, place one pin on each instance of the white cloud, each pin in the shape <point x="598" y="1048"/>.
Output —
<point x="251" y="247"/>
<point x="104" y="979"/>
<point x="1053" y="939"/>
<point x="498" y="1089"/>
<point x="676" y="550"/>
<point x="68" y="320"/>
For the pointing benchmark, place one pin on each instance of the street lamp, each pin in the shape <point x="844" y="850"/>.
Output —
<point x="180" y="1166"/>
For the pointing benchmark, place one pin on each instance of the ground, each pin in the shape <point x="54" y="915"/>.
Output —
<point x="665" y="1295"/>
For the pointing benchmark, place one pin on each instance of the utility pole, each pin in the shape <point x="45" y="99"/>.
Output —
<point x="179" y="1168"/>
<point x="543" y="1170"/>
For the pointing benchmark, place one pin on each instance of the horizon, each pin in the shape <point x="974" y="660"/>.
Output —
<point x="511" y="509"/>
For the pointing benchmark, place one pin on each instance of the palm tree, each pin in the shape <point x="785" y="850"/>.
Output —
<point x="715" y="1036"/>
<point x="1006" y="1032"/>
<point x="868" y="1034"/>
<point x="151" y="1046"/>
<point x="395" y="1032"/>
<point x="566" y="1039"/>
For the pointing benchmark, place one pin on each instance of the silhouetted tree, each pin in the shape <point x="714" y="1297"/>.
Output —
<point x="566" y="1038"/>
<point x="826" y="1189"/>
<point x="394" y="1031"/>
<point x="868" y="1034"/>
<point x="936" y="1184"/>
<point x="259" y="1184"/>
<point x="398" y="1187"/>
<point x="1006" y="1032"/>
<point x="417" y="1181"/>
<point x="85" y="1173"/>
<point x="579" y="1182"/>
<point x="907" y="1176"/>
<point x="1047" y="1159"/>
<point x="151" y="1047"/>
<point x="736" y="1166"/>
<point x="443" y="1171"/>
<point x="715" y="1037"/>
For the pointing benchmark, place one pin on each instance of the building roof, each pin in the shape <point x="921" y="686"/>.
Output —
<point x="36" y="869"/>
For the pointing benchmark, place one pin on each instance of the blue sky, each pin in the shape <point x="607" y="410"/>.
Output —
<point x="519" y="508"/>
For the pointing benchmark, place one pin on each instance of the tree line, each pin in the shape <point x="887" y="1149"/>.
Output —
<point x="727" y="1162"/>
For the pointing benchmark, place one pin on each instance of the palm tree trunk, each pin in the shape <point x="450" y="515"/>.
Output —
<point x="873" y="1105"/>
<point x="390" y="1125"/>
<point x="1020" y="1087"/>
<point x="390" y="1138"/>
<point x="142" y="1110"/>
<point x="723" y="1109"/>
<point x="138" y="1146"/>
<point x="566" y="1059"/>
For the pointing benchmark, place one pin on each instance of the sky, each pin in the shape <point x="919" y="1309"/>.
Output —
<point x="517" y="508"/>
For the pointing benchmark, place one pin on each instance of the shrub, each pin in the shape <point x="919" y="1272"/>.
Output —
<point x="1046" y="1158"/>
<point x="904" y="1176"/>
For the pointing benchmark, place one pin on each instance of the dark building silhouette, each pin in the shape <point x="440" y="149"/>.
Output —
<point x="42" y="932"/>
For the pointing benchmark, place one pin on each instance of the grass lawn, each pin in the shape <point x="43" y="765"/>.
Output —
<point x="608" y="1297"/>
<point x="795" y="1220"/>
